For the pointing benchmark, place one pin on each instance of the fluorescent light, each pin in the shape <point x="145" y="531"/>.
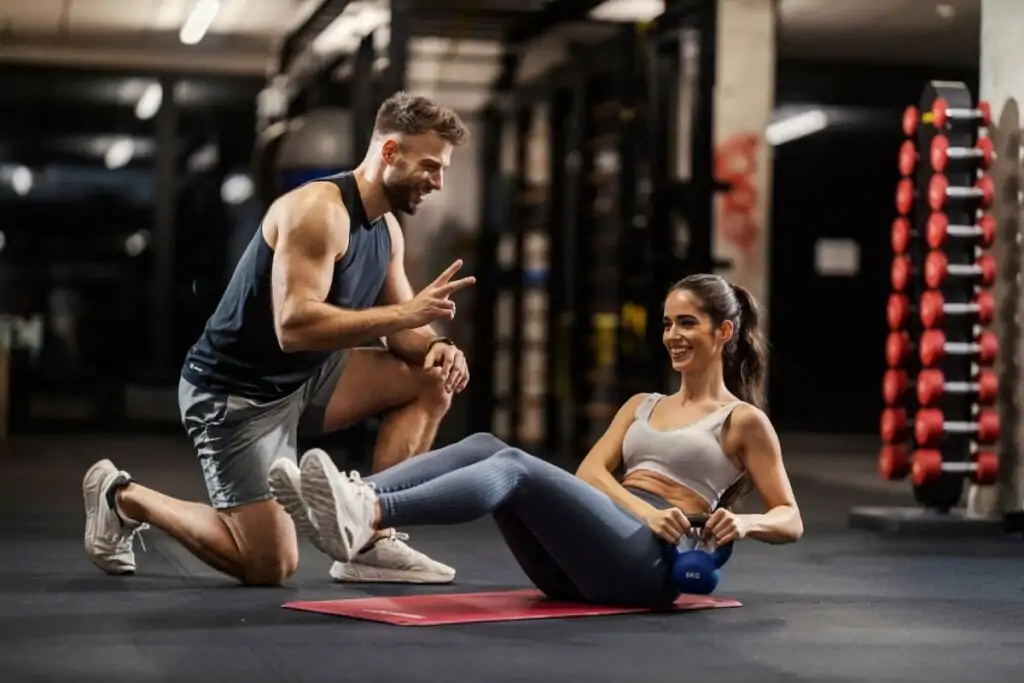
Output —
<point x="796" y="127"/>
<point x="627" y="10"/>
<point x="149" y="104"/>
<point x="119" y="153"/>
<point x="199" y="21"/>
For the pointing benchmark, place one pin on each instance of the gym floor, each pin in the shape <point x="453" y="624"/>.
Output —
<point x="841" y="605"/>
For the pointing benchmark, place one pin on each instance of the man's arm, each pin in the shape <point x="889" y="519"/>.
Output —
<point x="303" y="268"/>
<point x="411" y="345"/>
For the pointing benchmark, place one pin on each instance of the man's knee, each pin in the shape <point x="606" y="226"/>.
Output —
<point x="268" y="547"/>
<point x="431" y="391"/>
<point x="270" y="569"/>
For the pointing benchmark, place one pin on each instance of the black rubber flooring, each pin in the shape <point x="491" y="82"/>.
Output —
<point x="839" y="606"/>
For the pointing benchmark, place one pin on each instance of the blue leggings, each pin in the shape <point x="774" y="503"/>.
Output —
<point x="572" y="541"/>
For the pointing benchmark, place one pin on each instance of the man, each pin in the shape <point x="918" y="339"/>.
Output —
<point x="281" y="356"/>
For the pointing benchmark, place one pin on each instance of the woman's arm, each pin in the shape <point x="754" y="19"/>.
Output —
<point x="752" y="438"/>
<point x="606" y="456"/>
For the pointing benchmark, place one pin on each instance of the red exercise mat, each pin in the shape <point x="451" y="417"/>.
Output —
<point x="470" y="608"/>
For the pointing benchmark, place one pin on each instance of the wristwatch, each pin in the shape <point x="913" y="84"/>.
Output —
<point x="439" y="340"/>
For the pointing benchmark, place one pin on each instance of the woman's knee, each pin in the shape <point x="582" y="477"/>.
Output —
<point x="516" y="463"/>
<point x="484" y="442"/>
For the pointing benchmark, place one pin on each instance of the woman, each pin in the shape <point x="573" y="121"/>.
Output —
<point x="588" y="537"/>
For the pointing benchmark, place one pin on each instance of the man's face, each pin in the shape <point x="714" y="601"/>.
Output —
<point x="413" y="168"/>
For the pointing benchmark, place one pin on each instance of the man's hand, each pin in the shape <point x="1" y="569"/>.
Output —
<point x="433" y="303"/>
<point x="452" y="364"/>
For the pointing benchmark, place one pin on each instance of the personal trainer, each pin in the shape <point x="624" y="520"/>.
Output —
<point x="282" y="355"/>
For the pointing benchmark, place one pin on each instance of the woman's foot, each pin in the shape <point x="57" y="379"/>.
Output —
<point x="343" y="508"/>
<point x="285" y="483"/>
<point x="388" y="559"/>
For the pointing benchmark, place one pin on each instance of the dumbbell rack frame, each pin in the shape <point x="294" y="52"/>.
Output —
<point x="944" y="493"/>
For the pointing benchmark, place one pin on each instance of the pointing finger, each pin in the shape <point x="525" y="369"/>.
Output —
<point x="456" y="285"/>
<point x="448" y="273"/>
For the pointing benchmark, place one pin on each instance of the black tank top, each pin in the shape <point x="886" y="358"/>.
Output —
<point x="238" y="351"/>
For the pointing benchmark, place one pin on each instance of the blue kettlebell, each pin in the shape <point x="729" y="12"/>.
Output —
<point x="696" y="572"/>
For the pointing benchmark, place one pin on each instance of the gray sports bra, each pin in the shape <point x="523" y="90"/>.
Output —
<point x="691" y="456"/>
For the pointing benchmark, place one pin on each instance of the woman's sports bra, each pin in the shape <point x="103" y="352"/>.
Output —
<point x="691" y="456"/>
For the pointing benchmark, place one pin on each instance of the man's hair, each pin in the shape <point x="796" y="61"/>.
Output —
<point x="415" y="115"/>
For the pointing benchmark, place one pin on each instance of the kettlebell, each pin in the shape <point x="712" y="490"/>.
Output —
<point x="696" y="571"/>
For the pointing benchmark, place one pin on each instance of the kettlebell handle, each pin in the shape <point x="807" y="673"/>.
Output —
<point x="698" y="521"/>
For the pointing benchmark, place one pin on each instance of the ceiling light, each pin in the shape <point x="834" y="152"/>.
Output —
<point x="627" y="10"/>
<point x="358" y="19"/>
<point x="119" y="153"/>
<point x="796" y="127"/>
<point x="149" y="104"/>
<point x="945" y="11"/>
<point x="199" y="21"/>
<point x="236" y="189"/>
<point x="21" y="181"/>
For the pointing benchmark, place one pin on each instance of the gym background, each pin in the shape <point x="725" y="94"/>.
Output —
<point x="616" y="146"/>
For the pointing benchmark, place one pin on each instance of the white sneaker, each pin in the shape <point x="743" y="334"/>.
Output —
<point x="285" y="483"/>
<point x="390" y="560"/>
<point x="109" y="538"/>
<point x="341" y="507"/>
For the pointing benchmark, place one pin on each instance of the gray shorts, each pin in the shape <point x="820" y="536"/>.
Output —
<point x="237" y="438"/>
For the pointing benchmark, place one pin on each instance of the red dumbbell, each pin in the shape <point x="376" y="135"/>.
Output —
<point x="934" y="348"/>
<point x="932" y="386"/>
<point x="982" y="469"/>
<point x="940" y="192"/>
<point x="904" y="196"/>
<point x="894" y="425"/>
<point x="942" y="153"/>
<point x="930" y="427"/>
<point x="901" y="234"/>
<point x="893" y="462"/>
<point x="909" y="122"/>
<point x="937" y="268"/>
<point x="907" y="158"/>
<point x="894" y="386"/>
<point x="942" y="113"/>
<point x="934" y="308"/>
<point x="897" y="348"/>
<point x="900" y="273"/>
<point x="939" y="230"/>
<point x="897" y="311"/>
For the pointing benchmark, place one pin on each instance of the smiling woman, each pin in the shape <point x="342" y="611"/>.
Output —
<point x="589" y="537"/>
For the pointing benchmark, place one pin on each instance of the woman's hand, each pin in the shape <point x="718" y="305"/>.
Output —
<point x="670" y="524"/>
<point x="724" y="527"/>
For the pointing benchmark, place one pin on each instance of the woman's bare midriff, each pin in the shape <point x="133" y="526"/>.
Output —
<point x="681" y="497"/>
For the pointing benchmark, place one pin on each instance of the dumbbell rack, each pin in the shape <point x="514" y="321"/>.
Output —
<point x="938" y="311"/>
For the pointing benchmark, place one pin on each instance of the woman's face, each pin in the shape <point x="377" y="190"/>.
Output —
<point x="692" y="339"/>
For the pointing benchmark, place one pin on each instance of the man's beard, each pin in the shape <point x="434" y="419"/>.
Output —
<point x="399" y="196"/>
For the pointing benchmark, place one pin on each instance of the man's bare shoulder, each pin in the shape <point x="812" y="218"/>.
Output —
<point x="314" y="211"/>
